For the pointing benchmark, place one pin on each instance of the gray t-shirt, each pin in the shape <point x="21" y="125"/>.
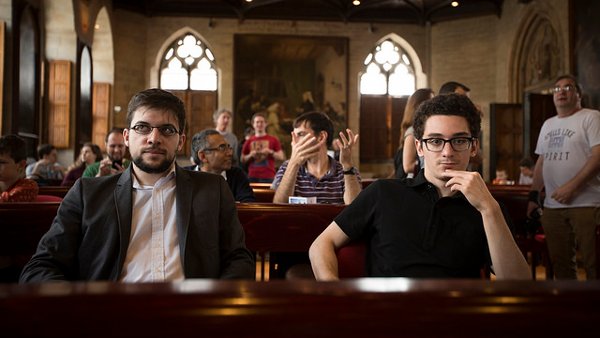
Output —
<point x="566" y="144"/>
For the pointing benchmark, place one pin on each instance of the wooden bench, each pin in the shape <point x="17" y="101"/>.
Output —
<point x="271" y="227"/>
<point x="515" y="199"/>
<point x="383" y="307"/>
<point x="21" y="227"/>
<point x="54" y="190"/>
<point x="263" y="195"/>
<point x="260" y="186"/>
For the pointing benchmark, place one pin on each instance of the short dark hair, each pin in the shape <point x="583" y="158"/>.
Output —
<point x="572" y="78"/>
<point x="264" y="116"/>
<point x="115" y="130"/>
<point x="200" y="142"/>
<point x="157" y="99"/>
<point x="450" y="105"/>
<point x="526" y="162"/>
<point x="13" y="146"/>
<point x="44" y="149"/>
<point x="450" y="86"/>
<point x="318" y="122"/>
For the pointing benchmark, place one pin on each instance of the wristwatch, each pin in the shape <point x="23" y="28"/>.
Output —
<point x="350" y="171"/>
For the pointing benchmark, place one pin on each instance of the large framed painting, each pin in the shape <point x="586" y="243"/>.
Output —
<point x="283" y="76"/>
<point x="587" y="49"/>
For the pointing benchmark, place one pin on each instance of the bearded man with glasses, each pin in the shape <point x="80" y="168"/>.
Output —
<point x="154" y="222"/>
<point x="444" y="223"/>
<point x="212" y="153"/>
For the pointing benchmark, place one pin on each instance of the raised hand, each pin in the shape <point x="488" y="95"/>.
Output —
<point x="345" y="145"/>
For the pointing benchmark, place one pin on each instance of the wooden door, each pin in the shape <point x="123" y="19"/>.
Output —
<point x="59" y="103"/>
<point x="100" y="113"/>
<point x="538" y="109"/>
<point x="199" y="108"/>
<point x="380" y="119"/>
<point x="506" y="141"/>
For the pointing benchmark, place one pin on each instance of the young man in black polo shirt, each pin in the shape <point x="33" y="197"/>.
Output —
<point x="444" y="223"/>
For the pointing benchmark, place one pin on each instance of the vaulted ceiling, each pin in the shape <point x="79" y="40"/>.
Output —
<point x="373" y="11"/>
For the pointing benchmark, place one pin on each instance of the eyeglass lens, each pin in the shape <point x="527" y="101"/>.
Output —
<point x="457" y="143"/>
<point x="566" y="88"/>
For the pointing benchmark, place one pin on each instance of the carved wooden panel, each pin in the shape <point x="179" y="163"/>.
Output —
<point x="59" y="103"/>
<point x="380" y="119"/>
<point x="506" y="138"/>
<point x="541" y="107"/>
<point x="100" y="112"/>
<point x="199" y="107"/>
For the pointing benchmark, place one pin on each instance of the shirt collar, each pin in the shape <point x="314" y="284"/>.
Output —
<point x="332" y="164"/>
<point x="417" y="180"/>
<point x="420" y="182"/>
<point x="168" y="177"/>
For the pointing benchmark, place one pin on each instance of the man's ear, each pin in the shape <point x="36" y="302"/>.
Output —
<point x="474" y="147"/>
<point x="125" y="136"/>
<point x="322" y="136"/>
<point x="202" y="157"/>
<point x="181" y="142"/>
<point x="419" y="147"/>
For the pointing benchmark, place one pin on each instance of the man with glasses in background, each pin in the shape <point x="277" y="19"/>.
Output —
<point x="212" y="153"/>
<point x="444" y="223"/>
<point x="154" y="222"/>
<point x="568" y="167"/>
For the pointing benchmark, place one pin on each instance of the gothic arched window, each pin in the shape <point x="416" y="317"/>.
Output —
<point x="389" y="70"/>
<point x="188" y="64"/>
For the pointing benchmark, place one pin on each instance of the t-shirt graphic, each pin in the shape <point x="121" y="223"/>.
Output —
<point x="260" y="160"/>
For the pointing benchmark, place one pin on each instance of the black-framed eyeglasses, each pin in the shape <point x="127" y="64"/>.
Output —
<point x="567" y="88"/>
<point x="457" y="143"/>
<point x="221" y="147"/>
<point x="145" y="129"/>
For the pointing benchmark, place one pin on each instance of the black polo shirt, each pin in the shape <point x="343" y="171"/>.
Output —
<point x="411" y="232"/>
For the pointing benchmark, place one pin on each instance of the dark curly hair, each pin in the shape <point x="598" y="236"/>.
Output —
<point x="450" y="105"/>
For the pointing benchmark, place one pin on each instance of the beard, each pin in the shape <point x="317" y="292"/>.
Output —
<point x="161" y="167"/>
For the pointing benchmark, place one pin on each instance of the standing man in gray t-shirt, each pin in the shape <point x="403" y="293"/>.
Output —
<point x="568" y="167"/>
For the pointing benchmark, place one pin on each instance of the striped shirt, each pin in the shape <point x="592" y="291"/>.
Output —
<point x="328" y="190"/>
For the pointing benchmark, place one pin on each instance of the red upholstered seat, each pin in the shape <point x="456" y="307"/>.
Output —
<point x="48" y="198"/>
<point x="351" y="260"/>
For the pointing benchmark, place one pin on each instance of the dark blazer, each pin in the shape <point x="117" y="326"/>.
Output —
<point x="89" y="237"/>
<point x="238" y="183"/>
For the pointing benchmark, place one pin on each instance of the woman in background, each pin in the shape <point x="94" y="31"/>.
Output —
<point x="90" y="153"/>
<point x="406" y="160"/>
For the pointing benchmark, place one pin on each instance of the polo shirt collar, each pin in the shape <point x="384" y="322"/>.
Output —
<point x="420" y="182"/>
